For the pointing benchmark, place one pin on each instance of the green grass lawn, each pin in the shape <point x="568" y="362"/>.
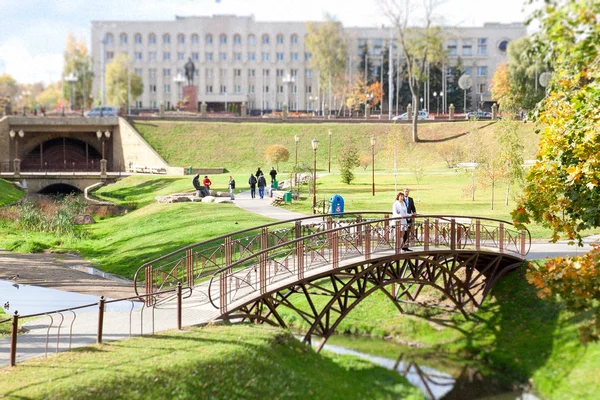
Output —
<point x="218" y="362"/>
<point x="514" y="337"/>
<point x="9" y="193"/>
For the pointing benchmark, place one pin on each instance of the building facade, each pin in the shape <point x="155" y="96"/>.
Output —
<point x="267" y="64"/>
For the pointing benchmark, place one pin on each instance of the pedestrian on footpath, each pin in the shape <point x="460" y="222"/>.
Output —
<point x="262" y="182"/>
<point x="252" y="182"/>
<point x="273" y="174"/>
<point x="231" y="187"/>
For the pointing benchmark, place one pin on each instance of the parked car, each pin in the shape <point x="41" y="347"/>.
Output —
<point x="421" y="116"/>
<point x="478" y="115"/>
<point x="104" y="111"/>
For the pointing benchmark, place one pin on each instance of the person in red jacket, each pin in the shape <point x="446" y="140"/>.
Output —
<point x="206" y="182"/>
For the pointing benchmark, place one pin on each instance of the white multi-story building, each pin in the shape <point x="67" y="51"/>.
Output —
<point x="265" y="64"/>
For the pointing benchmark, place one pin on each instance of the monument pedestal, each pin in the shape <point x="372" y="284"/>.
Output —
<point x="190" y="98"/>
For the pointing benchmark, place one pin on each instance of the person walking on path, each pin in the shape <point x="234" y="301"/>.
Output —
<point x="259" y="172"/>
<point x="252" y="182"/>
<point x="411" y="210"/>
<point x="206" y="182"/>
<point x="273" y="174"/>
<point x="399" y="209"/>
<point x="262" y="182"/>
<point x="231" y="187"/>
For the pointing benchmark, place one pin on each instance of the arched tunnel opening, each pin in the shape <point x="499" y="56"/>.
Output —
<point x="60" y="189"/>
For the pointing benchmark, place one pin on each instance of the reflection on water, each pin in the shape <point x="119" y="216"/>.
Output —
<point x="29" y="299"/>
<point x="465" y="382"/>
<point x="95" y="271"/>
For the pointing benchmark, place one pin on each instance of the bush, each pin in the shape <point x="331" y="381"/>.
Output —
<point x="348" y="159"/>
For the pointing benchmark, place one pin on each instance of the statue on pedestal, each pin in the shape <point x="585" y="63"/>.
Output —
<point x="190" y="68"/>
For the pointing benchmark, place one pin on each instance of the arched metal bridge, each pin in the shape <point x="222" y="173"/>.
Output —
<point x="321" y="267"/>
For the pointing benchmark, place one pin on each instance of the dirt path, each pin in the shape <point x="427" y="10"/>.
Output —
<point x="57" y="271"/>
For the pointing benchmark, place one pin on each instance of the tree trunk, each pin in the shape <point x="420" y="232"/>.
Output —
<point x="507" y="190"/>
<point x="493" y="181"/>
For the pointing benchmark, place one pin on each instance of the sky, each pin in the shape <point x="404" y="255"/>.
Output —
<point x="33" y="32"/>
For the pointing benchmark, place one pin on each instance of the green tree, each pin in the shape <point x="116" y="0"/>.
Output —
<point x="562" y="186"/>
<point x="524" y="68"/>
<point x="348" y="159"/>
<point x="51" y="96"/>
<point x="77" y="62"/>
<point x="118" y="77"/>
<point x="327" y="44"/>
<point x="420" y="46"/>
<point x="511" y="151"/>
<point x="8" y="88"/>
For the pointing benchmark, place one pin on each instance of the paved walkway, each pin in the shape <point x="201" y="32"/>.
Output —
<point x="46" y="335"/>
<point x="264" y="207"/>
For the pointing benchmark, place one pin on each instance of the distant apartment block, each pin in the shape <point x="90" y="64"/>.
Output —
<point x="266" y="64"/>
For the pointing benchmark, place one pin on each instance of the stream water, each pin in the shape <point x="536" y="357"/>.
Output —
<point x="29" y="299"/>
<point x="438" y="376"/>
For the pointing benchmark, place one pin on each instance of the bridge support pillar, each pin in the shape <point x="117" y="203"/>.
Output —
<point x="17" y="167"/>
<point x="103" y="174"/>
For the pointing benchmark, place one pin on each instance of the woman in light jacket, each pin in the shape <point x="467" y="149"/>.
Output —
<point x="399" y="210"/>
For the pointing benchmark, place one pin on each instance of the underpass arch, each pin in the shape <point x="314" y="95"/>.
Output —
<point x="60" y="189"/>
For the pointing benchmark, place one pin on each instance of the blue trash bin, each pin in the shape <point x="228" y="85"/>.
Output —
<point x="336" y="204"/>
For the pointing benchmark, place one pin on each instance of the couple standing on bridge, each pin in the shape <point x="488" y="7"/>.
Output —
<point x="404" y="206"/>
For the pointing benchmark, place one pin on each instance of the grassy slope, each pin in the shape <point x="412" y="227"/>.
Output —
<point x="240" y="147"/>
<point x="239" y="362"/>
<point x="9" y="193"/>
<point x="120" y="245"/>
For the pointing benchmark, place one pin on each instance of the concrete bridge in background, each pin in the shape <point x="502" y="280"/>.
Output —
<point x="72" y="151"/>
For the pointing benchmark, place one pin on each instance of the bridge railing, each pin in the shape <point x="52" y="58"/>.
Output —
<point x="357" y="241"/>
<point x="296" y="244"/>
<point x="196" y="263"/>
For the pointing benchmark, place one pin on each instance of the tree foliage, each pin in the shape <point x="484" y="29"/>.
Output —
<point x="420" y="46"/>
<point x="348" y="159"/>
<point x="327" y="44"/>
<point x="562" y="186"/>
<point x="77" y="62"/>
<point x="562" y="190"/>
<point x="276" y="153"/>
<point x="117" y="74"/>
<point x="575" y="280"/>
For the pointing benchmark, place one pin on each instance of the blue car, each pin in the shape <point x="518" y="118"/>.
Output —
<point x="105" y="111"/>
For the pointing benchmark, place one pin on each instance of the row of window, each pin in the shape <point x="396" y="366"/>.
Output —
<point x="237" y="72"/>
<point x="195" y="39"/>
<point x="210" y="56"/>
<point x="482" y="70"/>
<point x="237" y="89"/>
<point x="467" y="47"/>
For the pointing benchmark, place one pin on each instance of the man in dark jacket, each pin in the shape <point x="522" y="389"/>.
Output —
<point x="252" y="182"/>
<point x="273" y="174"/>
<point x="262" y="182"/>
<point x="410" y="208"/>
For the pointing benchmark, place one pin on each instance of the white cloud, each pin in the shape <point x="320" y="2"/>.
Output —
<point x="25" y="67"/>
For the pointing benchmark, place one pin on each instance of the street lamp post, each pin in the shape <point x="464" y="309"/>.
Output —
<point x="329" y="154"/>
<point x="315" y="145"/>
<point x="179" y="79"/>
<point x="102" y="137"/>
<point x="437" y="98"/>
<point x="368" y="99"/>
<point x="71" y="78"/>
<point x="16" y="135"/>
<point x="373" y="164"/>
<point x="420" y="104"/>
<point x="288" y="80"/>
<point x="313" y="99"/>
